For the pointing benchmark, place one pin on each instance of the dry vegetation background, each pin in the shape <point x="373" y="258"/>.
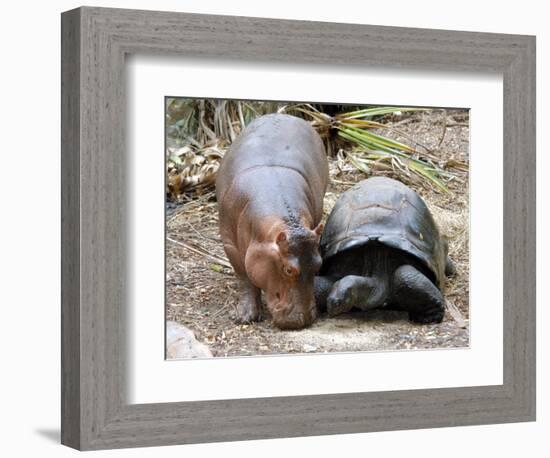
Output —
<point x="201" y="288"/>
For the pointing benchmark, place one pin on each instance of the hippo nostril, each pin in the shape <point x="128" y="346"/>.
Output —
<point x="278" y="296"/>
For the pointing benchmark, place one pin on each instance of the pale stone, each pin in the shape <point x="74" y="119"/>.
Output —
<point x="182" y="344"/>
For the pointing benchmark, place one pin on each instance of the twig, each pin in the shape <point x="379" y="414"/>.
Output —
<point x="186" y="320"/>
<point x="346" y="183"/>
<point x="405" y="121"/>
<point x="205" y="237"/>
<point x="444" y="129"/>
<point x="222" y="308"/>
<point x="428" y="151"/>
<point x="456" y="314"/>
<point x="177" y="213"/>
<point x="201" y="252"/>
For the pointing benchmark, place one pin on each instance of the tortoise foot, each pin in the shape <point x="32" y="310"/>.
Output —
<point x="434" y="316"/>
<point x="418" y="295"/>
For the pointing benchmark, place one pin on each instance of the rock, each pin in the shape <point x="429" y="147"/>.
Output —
<point x="182" y="344"/>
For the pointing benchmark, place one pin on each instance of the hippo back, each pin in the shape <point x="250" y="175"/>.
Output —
<point x="383" y="210"/>
<point x="277" y="141"/>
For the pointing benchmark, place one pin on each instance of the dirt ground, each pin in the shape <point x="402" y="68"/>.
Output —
<point x="202" y="291"/>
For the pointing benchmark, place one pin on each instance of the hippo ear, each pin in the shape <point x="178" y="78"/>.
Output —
<point x="319" y="230"/>
<point x="281" y="238"/>
<point x="282" y="242"/>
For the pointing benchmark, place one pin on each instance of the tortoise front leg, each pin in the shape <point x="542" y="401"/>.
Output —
<point x="414" y="292"/>
<point x="321" y="290"/>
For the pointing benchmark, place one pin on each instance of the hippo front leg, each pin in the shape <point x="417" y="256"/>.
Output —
<point x="250" y="304"/>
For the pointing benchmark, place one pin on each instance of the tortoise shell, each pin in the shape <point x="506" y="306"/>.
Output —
<point x="383" y="210"/>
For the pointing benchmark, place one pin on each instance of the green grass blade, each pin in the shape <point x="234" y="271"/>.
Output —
<point x="376" y="111"/>
<point x="378" y="139"/>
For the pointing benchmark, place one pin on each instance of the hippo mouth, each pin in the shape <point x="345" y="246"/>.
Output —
<point x="291" y="317"/>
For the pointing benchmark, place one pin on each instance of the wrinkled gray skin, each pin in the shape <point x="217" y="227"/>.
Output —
<point x="382" y="248"/>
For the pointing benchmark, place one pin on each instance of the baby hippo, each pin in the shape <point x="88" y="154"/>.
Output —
<point x="270" y="189"/>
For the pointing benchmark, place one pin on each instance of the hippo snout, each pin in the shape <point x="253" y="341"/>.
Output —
<point x="295" y="317"/>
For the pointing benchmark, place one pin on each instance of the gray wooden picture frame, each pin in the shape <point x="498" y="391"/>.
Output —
<point x="95" y="413"/>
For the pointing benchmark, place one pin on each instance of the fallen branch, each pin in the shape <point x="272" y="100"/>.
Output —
<point x="201" y="252"/>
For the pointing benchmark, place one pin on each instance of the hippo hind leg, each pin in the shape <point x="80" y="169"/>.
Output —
<point x="250" y="304"/>
<point x="414" y="292"/>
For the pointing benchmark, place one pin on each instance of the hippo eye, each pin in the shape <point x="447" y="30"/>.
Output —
<point x="289" y="271"/>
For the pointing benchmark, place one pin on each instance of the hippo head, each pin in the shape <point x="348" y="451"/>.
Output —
<point x="284" y="267"/>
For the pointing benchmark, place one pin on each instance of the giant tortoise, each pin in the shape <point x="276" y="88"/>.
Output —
<point x="381" y="248"/>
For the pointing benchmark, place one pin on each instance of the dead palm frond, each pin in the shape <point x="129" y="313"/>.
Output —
<point x="200" y="131"/>
<point x="373" y="151"/>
